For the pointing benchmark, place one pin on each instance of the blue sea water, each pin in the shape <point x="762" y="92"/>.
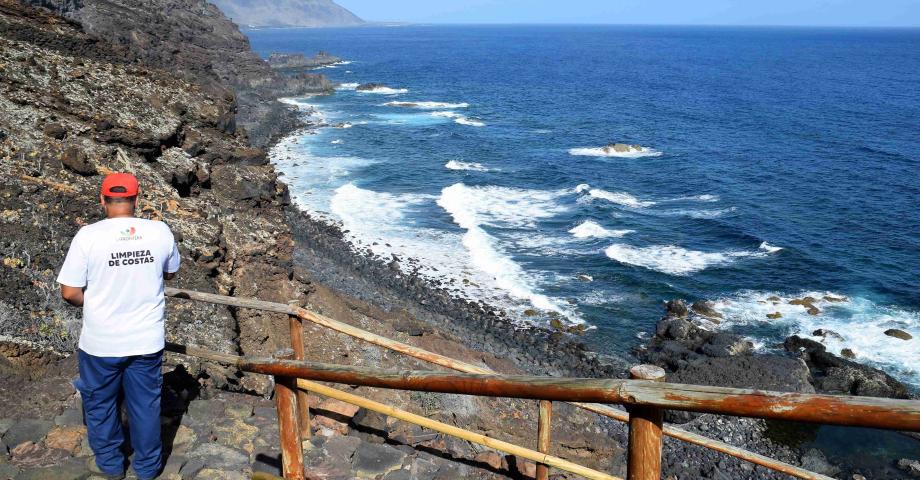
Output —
<point x="775" y="162"/>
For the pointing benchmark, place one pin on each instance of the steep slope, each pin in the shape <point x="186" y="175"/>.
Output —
<point x="288" y="13"/>
<point x="193" y="39"/>
<point x="74" y="107"/>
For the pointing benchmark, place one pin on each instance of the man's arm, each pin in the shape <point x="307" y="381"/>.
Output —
<point x="73" y="272"/>
<point x="171" y="266"/>
<point x="72" y="295"/>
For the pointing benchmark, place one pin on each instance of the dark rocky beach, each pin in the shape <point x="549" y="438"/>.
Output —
<point x="96" y="86"/>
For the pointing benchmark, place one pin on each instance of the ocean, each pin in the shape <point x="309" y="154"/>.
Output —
<point x="758" y="165"/>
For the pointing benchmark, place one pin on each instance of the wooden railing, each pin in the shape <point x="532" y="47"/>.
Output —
<point x="645" y="396"/>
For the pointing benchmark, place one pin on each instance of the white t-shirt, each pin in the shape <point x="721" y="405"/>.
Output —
<point x="121" y="262"/>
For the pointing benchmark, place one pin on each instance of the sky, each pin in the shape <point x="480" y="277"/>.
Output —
<point x="868" y="13"/>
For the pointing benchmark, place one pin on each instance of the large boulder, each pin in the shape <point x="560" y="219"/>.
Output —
<point x="76" y="160"/>
<point x="677" y="309"/>
<point x="54" y="130"/>
<point x="705" y="309"/>
<point x="898" y="333"/>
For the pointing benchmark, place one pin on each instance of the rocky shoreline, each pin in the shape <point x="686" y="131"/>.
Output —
<point x="690" y="353"/>
<point x="335" y="262"/>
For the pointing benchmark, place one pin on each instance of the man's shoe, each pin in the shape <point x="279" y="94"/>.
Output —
<point x="95" y="470"/>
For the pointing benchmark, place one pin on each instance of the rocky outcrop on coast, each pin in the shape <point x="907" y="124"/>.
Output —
<point x="299" y="62"/>
<point x="691" y="351"/>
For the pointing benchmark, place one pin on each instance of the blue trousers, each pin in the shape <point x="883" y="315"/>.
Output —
<point x="137" y="381"/>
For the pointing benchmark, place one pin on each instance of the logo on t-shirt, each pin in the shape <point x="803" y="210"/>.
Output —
<point x="128" y="234"/>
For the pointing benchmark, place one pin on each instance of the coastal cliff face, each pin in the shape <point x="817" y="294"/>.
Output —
<point x="193" y="40"/>
<point x="288" y="13"/>
<point x="76" y="106"/>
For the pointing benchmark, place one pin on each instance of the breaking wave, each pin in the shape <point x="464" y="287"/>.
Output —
<point x="384" y="90"/>
<point x="473" y="207"/>
<point x="620" y="198"/>
<point x="675" y="260"/>
<point x="347" y="86"/>
<point x="462" y="120"/>
<point x="857" y="323"/>
<point x="590" y="229"/>
<point x="472" y="166"/>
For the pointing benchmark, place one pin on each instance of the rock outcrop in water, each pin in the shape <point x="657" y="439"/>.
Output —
<point x="621" y="148"/>
<point x="693" y="354"/>
<point x="300" y="62"/>
<point x="288" y="13"/>
<point x="369" y="87"/>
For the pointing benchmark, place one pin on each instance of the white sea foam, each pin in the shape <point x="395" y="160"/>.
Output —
<point x="385" y="90"/>
<point x="620" y="198"/>
<point x="769" y="248"/>
<point x="695" y="198"/>
<point x="462" y="120"/>
<point x="347" y="86"/>
<point x="859" y="322"/>
<point x="472" y="263"/>
<point x="427" y="105"/>
<point x="693" y="213"/>
<point x="336" y="141"/>
<point x="590" y="229"/>
<point x="333" y="65"/>
<point x="472" y="166"/>
<point x="632" y="151"/>
<point x="675" y="260"/>
<point x="366" y="210"/>
<point x="469" y="122"/>
<point x="473" y="207"/>
<point x="507" y="206"/>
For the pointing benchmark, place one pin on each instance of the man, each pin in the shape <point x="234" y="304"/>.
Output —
<point x="115" y="269"/>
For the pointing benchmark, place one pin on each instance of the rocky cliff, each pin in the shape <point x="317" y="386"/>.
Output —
<point x="76" y="105"/>
<point x="193" y="40"/>
<point x="288" y="13"/>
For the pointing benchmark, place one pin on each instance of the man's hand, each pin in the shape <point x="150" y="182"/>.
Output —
<point x="72" y="295"/>
<point x="169" y="276"/>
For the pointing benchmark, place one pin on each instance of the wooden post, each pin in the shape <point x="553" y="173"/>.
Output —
<point x="289" y="430"/>
<point x="544" y="429"/>
<point x="303" y="401"/>
<point x="644" y="454"/>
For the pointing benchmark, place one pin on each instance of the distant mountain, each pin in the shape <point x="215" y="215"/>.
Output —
<point x="287" y="13"/>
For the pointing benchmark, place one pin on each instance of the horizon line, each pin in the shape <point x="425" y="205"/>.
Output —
<point x="587" y="24"/>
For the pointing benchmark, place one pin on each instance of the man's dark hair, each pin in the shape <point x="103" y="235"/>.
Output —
<point x="109" y="200"/>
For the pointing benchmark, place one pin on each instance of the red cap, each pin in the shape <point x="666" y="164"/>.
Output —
<point x="124" y="180"/>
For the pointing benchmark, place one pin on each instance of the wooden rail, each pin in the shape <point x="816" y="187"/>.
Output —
<point x="872" y="412"/>
<point x="839" y="410"/>
<point x="543" y="458"/>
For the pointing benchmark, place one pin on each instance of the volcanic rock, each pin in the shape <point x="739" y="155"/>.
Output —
<point x="55" y="130"/>
<point x="75" y="159"/>
<point x="898" y="333"/>
<point x="705" y="309"/>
